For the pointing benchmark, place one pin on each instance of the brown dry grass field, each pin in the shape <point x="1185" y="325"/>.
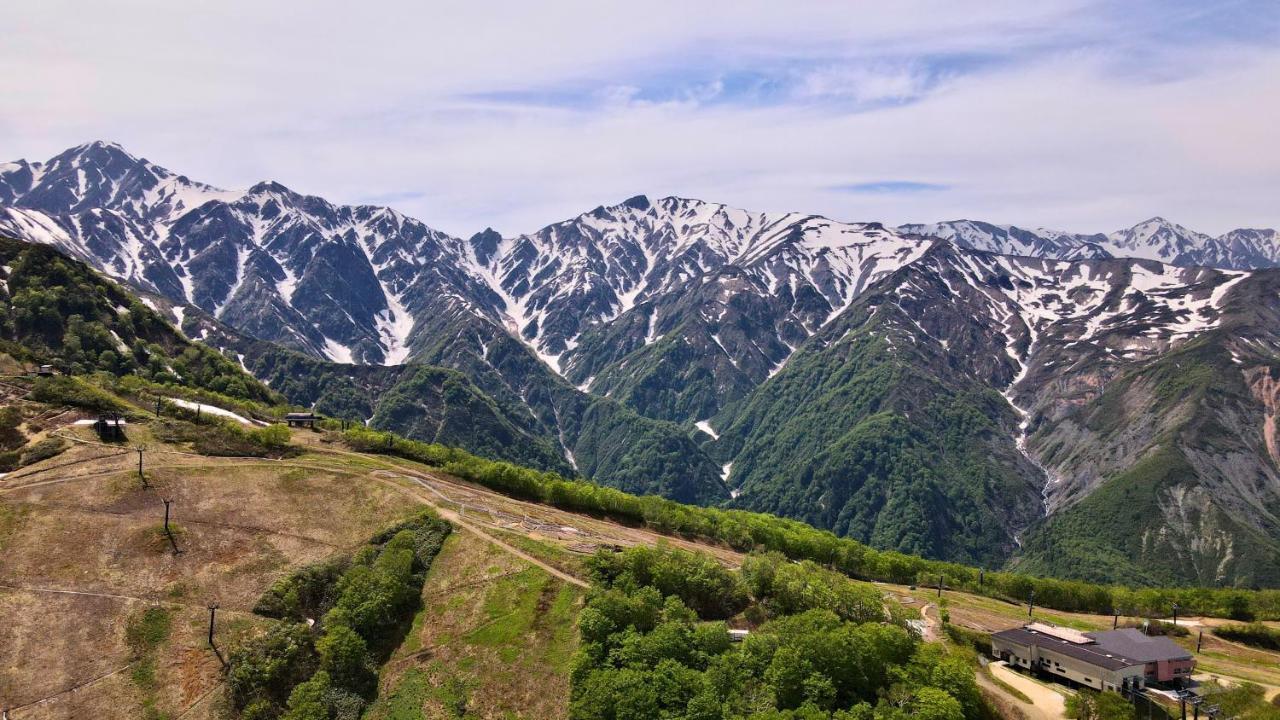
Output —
<point x="84" y="562"/>
<point x="83" y="557"/>
<point x="82" y="550"/>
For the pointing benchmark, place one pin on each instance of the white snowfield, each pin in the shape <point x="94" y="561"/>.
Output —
<point x="705" y="427"/>
<point x="214" y="410"/>
<point x="647" y="250"/>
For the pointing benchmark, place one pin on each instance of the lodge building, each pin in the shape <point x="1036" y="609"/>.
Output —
<point x="1116" y="660"/>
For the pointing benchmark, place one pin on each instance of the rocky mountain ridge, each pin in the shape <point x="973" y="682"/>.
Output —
<point x="932" y="388"/>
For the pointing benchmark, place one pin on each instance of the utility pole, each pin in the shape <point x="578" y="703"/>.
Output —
<point x="141" y="475"/>
<point x="213" y="610"/>
<point x="172" y="540"/>
<point x="1031" y="604"/>
<point x="197" y="412"/>
<point x="1199" y="641"/>
<point x="982" y="578"/>
<point x="1175" y="614"/>
<point x="939" y="586"/>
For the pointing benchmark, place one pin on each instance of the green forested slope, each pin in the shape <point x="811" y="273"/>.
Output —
<point x="654" y="645"/>
<point x="865" y="433"/>
<point x="418" y="401"/>
<point x="57" y="310"/>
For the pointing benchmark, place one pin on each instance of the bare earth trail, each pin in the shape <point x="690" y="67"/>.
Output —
<point x="1048" y="704"/>
<point x="456" y="519"/>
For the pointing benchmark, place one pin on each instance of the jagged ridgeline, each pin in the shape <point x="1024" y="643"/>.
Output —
<point x="964" y="390"/>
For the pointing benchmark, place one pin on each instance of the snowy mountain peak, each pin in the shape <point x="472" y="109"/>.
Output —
<point x="639" y="202"/>
<point x="1158" y="239"/>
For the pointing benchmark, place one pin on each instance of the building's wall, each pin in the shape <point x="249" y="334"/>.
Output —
<point x="1066" y="667"/>
<point x="1013" y="653"/>
<point x="1072" y="669"/>
<point x="1170" y="670"/>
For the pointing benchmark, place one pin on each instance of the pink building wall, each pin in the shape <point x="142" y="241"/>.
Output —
<point x="1167" y="670"/>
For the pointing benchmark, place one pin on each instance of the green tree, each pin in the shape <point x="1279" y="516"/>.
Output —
<point x="931" y="703"/>
<point x="307" y="701"/>
<point x="345" y="658"/>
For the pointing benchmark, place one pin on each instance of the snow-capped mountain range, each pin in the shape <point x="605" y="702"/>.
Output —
<point x="1154" y="239"/>
<point x="752" y="332"/>
<point x="348" y="282"/>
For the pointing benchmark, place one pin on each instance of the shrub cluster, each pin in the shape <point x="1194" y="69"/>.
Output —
<point x="363" y="605"/>
<point x="75" y="392"/>
<point x="220" y="436"/>
<point x="1254" y="634"/>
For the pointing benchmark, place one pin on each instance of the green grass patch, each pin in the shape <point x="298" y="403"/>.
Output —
<point x="148" y="629"/>
<point x="405" y="700"/>
<point x="553" y="555"/>
<point x="562" y="618"/>
<point x="511" y="605"/>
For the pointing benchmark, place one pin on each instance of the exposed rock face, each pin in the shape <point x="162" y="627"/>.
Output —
<point x="1264" y="383"/>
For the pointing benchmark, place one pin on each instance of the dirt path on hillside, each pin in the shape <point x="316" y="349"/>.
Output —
<point x="455" y="518"/>
<point x="476" y="497"/>
<point x="932" y="626"/>
<point x="1047" y="704"/>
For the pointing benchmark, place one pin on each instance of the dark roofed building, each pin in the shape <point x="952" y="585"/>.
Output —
<point x="110" y="427"/>
<point x="1165" y="660"/>
<point x="300" y="419"/>
<point x="1067" y="654"/>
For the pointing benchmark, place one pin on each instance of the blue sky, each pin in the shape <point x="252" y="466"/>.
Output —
<point x="1062" y="113"/>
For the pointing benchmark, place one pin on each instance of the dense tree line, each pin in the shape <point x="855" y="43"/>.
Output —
<point x="1255" y="634"/>
<point x="648" y="653"/>
<point x="362" y="606"/>
<point x="749" y="531"/>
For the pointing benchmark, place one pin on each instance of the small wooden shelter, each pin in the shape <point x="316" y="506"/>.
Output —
<point x="110" y="427"/>
<point x="298" y="419"/>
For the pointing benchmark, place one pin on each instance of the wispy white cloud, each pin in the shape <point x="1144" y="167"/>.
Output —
<point x="1069" y="113"/>
<point x="866" y="84"/>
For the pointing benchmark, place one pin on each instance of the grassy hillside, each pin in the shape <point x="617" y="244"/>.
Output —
<point x="498" y="624"/>
<point x="56" y="310"/>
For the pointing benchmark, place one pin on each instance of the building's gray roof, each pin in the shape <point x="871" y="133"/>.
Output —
<point x="1091" y="653"/>
<point x="1133" y="643"/>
